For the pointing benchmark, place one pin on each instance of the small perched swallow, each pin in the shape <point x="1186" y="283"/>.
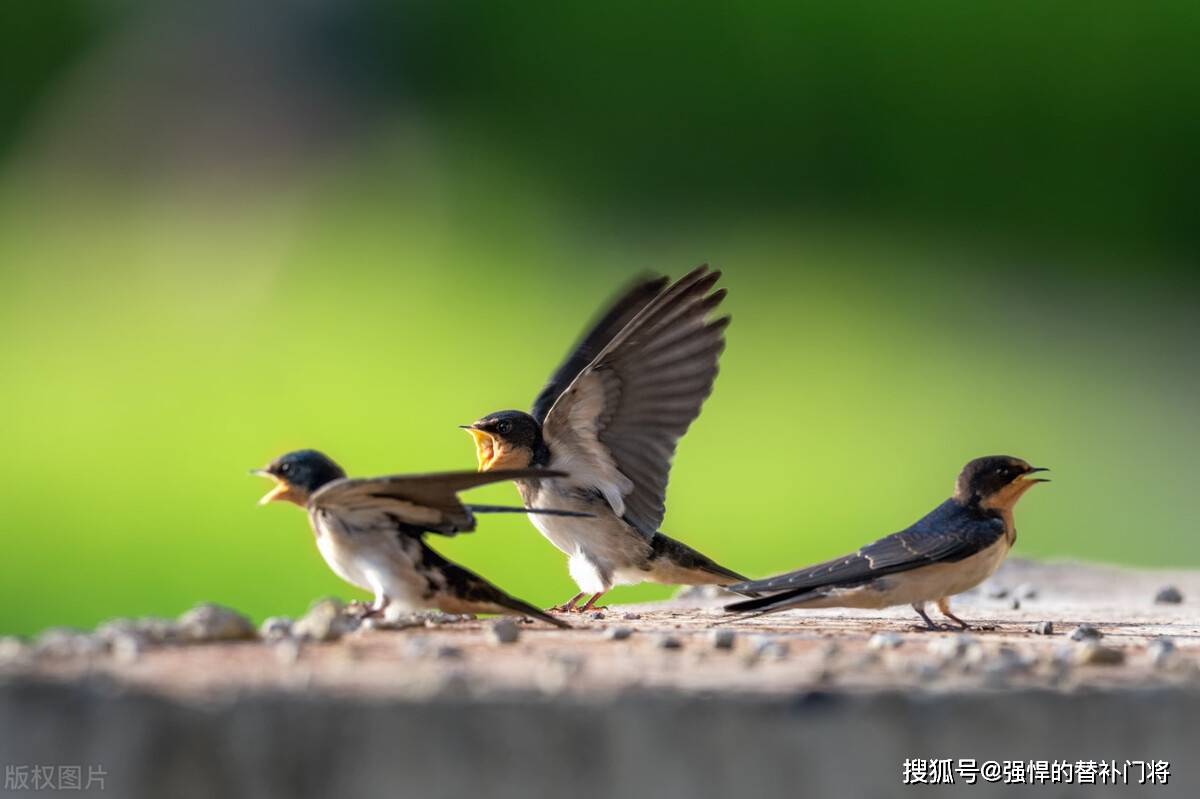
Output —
<point x="371" y="532"/>
<point x="612" y="415"/>
<point x="952" y="549"/>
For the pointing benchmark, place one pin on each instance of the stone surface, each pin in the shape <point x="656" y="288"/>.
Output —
<point x="441" y="711"/>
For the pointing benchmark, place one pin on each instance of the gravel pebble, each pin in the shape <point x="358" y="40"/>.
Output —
<point x="394" y="617"/>
<point x="127" y="647"/>
<point x="326" y="620"/>
<point x="885" y="641"/>
<point x="1092" y="652"/>
<point x="159" y="631"/>
<point x="669" y="642"/>
<point x="952" y="647"/>
<point x="1015" y="659"/>
<point x="1043" y="628"/>
<point x="1086" y="632"/>
<point x="275" y="627"/>
<point x="12" y="648"/>
<point x="722" y="638"/>
<point x="1026" y="591"/>
<point x="631" y="616"/>
<point x="211" y="622"/>
<point x="447" y="652"/>
<point x="504" y="631"/>
<point x="618" y="633"/>
<point x="1161" y="651"/>
<point x="1168" y="595"/>
<point x="1014" y="604"/>
<point x="67" y="642"/>
<point x="596" y="614"/>
<point x="767" y="647"/>
<point x="996" y="592"/>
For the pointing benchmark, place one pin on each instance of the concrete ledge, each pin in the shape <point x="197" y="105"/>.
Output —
<point x="826" y="703"/>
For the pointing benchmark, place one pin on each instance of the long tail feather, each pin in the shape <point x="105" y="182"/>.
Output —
<point x="509" y="509"/>
<point x="766" y="604"/>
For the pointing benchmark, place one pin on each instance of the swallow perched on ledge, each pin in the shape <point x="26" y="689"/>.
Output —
<point x="612" y="415"/>
<point x="954" y="548"/>
<point x="371" y="532"/>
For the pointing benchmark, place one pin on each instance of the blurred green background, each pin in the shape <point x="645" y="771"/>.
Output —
<point x="226" y="231"/>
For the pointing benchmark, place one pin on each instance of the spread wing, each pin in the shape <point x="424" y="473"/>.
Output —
<point x="616" y="426"/>
<point x="949" y="533"/>
<point x="634" y="298"/>
<point x="426" y="502"/>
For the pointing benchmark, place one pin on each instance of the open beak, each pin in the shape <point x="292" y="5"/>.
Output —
<point x="279" y="492"/>
<point x="485" y="446"/>
<point x="1036" y="479"/>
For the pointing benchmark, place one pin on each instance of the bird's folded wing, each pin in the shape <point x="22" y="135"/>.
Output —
<point x="426" y="502"/>
<point x="636" y="296"/>
<point x="919" y="545"/>
<point x="616" y="426"/>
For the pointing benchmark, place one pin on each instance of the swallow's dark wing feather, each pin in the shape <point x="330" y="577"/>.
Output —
<point x="616" y="426"/>
<point x="636" y="296"/>
<point x="427" y="502"/>
<point x="949" y="533"/>
<point x="467" y="586"/>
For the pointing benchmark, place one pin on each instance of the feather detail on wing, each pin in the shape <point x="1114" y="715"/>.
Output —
<point x="629" y="302"/>
<point x="615" y="428"/>
<point x="427" y="502"/>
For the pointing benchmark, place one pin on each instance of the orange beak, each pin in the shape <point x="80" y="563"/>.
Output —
<point x="485" y="446"/>
<point x="281" y="492"/>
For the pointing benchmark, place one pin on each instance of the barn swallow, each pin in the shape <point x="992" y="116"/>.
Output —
<point x="612" y="415"/>
<point x="952" y="549"/>
<point x="371" y="532"/>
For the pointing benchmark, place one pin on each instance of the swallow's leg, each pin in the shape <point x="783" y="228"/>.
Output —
<point x="591" y="603"/>
<point x="362" y="610"/>
<point x="944" y="606"/>
<point x="919" y="607"/>
<point x="567" y="606"/>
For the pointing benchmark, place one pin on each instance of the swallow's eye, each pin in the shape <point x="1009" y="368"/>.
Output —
<point x="284" y="468"/>
<point x="503" y="428"/>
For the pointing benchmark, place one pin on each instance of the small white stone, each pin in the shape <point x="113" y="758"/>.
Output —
<point x="504" y="631"/>
<point x="885" y="641"/>
<point x="766" y="646"/>
<point x="275" y="627"/>
<point x="618" y="633"/>
<point x="1092" y="652"/>
<point x="952" y="647"/>
<point x="211" y="622"/>
<point x="722" y="638"/>
<point x="1086" y="632"/>
<point x="1161" y="651"/>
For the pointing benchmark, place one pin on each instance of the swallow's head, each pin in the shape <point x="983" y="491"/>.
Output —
<point x="996" y="482"/>
<point x="297" y="475"/>
<point x="505" y="440"/>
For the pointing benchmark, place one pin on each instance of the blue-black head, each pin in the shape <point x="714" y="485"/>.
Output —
<point x="507" y="440"/>
<point x="996" y="482"/>
<point x="298" y="474"/>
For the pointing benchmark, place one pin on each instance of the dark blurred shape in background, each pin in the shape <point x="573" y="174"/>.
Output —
<point x="1066" y="123"/>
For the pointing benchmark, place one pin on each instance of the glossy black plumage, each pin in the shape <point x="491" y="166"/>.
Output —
<point x="951" y="532"/>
